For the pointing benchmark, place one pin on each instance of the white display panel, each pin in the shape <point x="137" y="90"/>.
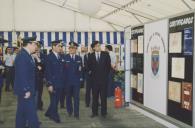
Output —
<point x="155" y="65"/>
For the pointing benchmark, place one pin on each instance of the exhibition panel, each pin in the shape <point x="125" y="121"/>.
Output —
<point x="162" y="57"/>
<point x="180" y="67"/>
<point x="155" y="65"/>
<point x="137" y="61"/>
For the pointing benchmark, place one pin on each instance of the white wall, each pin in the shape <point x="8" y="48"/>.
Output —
<point x="6" y="17"/>
<point x="37" y="15"/>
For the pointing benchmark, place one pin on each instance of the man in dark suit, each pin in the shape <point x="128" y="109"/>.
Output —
<point x="99" y="68"/>
<point x="24" y="85"/>
<point x="55" y="79"/>
<point x="88" y="79"/>
<point x="73" y="70"/>
<point x="39" y="62"/>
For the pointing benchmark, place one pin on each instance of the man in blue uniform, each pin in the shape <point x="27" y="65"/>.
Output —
<point x="63" y="94"/>
<point x="55" y="79"/>
<point x="24" y="85"/>
<point x="73" y="69"/>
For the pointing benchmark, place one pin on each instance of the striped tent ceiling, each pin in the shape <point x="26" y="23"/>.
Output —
<point x="82" y="38"/>
<point x="123" y="13"/>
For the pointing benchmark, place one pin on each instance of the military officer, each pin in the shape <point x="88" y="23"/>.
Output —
<point x="54" y="69"/>
<point x="24" y="85"/>
<point x="73" y="69"/>
<point x="63" y="94"/>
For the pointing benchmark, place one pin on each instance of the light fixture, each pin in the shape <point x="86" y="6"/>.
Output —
<point x="90" y="7"/>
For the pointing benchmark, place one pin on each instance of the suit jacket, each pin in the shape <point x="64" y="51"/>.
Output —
<point x="24" y="73"/>
<point x="54" y="71"/>
<point x="73" y="70"/>
<point x="99" y="70"/>
<point x="39" y="73"/>
<point x="86" y="62"/>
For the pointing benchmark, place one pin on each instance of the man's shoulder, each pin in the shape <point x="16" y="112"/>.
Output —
<point x="104" y="53"/>
<point x="22" y="53"/>
<point x="50" y="56"/>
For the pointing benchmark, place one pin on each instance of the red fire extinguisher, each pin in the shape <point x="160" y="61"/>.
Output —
<point x="118" y="97"/>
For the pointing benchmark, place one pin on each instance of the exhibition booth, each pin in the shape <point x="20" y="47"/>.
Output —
<point x="160" y="66"/>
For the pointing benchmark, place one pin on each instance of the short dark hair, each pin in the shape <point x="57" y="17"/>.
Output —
<point x="109" y="47"/>
<point x="55" y="42"/>
<point x="25" y="44"/>
<point x="7" y="49"/>
<point x="94" y="43"/>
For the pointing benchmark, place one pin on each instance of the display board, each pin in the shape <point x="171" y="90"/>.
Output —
<point x="180" y="67"/>
<point x="155" y="65"/>
<point x="137" y="60"/>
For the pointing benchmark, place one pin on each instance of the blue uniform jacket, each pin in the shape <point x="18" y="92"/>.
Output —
<point x="24" y="73"/>
<point x="54" y="69"/>
<point x="73" y="70"/>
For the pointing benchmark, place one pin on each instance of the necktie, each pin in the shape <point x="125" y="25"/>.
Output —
<point x="58" y="56"/>
<point x="72" y="57"/>
<point x="98" y="56"/>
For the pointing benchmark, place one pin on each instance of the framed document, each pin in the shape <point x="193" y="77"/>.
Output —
<point x="188" y="41"/>
<point x="139" y="63"/>
<point x="140" y="44"/>
<point x="140" y="82"/>
<point x="134" y="46"/>
<point x="175" y="42"/>
<point x="178" y="67"/>
<point x="187" y="95"/>
<point x="134" y="81"/>
<point x="134" y="61"/>
<point x="174" y="91"/>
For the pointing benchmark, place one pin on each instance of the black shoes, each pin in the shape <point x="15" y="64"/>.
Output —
<point x="93" y="115"/>
<point x="69" y="114"/>
<point x="57" y="120"/>
<point x="76" y="117"/>
<point x="62" y="106"/>
<point x="103" y="116"/>
<point x="47" y="115"/>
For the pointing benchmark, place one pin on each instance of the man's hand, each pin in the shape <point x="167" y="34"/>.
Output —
<point x="27" y="95"/>
<point x="50" y="89"/>
<point x="39" y="67"/>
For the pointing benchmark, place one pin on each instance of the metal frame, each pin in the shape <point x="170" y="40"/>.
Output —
<point x="118" y="8"/>
<point x="186" y="4"/>
<point x="81" y="13"/>
<point x="168" y="17"/>
<point x="128" y="94"/>
<point x="147" y="16"/>
<point x="121" y="8"/>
